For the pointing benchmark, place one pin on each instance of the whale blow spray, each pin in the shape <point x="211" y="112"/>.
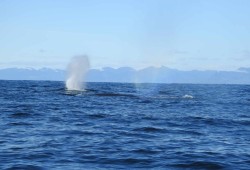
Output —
<point x="76" y="71"/>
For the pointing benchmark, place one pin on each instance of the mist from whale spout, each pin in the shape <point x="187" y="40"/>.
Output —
<point x="76" y="71"/>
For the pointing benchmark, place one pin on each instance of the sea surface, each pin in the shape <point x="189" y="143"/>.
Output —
<point x="124" y="126"/>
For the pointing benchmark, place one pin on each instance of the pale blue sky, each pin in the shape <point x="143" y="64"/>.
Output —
<point x="182" y="34"/>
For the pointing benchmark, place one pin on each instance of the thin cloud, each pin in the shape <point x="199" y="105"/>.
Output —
<point x="243" y="56"/>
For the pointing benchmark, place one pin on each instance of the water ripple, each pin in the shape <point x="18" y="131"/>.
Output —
<point x="124" y="126"/>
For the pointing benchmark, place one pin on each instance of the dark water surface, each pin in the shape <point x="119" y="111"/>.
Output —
<point x="124" y="126"/>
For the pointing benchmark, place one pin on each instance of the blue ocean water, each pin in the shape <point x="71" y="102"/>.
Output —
<point x="124" y="126"/>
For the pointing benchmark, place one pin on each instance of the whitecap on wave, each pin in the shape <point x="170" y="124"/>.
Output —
<point x="187" y="96"/>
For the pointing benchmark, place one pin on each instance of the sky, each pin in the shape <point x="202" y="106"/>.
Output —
<point x="180" y="34"/>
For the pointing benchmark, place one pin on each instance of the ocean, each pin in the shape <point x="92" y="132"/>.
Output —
<point x="124" y="126"/>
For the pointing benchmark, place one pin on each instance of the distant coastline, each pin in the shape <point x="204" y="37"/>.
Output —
<point x="130" y="75"/>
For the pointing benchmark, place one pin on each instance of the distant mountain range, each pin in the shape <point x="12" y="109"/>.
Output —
<point x="127" y="74"/>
